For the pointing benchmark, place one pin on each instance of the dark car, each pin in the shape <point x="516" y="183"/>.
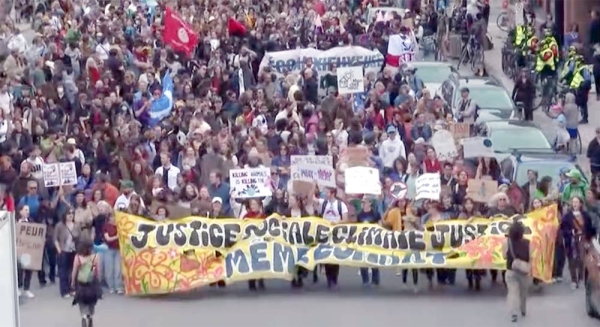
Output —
<point x="488" y="93"/>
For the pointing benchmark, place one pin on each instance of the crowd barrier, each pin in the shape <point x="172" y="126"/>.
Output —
<point x="188" y="253"/>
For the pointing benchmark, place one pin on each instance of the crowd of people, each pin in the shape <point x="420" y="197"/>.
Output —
<point x="85" y="91"/>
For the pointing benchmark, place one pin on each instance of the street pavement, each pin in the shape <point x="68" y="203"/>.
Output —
<point x="350" y="305"/>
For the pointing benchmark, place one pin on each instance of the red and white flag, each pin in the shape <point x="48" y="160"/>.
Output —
<point x="401" y="49"/>
<point x="178" y="34"/>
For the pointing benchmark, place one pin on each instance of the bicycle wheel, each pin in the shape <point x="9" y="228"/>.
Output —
<point x="463" y="57"/>
<point x="477" y="60"/>
<point x="502" y="22"/>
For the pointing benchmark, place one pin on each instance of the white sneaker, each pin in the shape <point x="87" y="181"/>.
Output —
<point x="66" y="296"/>
<point x="559" y="279"/>
<point x="574" y="286"/>
<point x="20" y="293"/>
<point x="28" y="294"/>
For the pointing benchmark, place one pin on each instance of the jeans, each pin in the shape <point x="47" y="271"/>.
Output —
<point x="24" y="278"/>
<point x="49" y="263"/>
<point x="112" y="269"/>
<point x="415" y="276"/>
<point x="65" y="268"/>
<point x="364" y="274"/>
<point x="332" y="272"/>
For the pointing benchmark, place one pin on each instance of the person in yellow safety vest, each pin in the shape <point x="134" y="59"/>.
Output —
<point x="545" y="64"/>
<point x="550" y="41"/>
<point x="579" y="78"/>
<point x="520" y="36"/>
<point x="531" y="46"/>
<point x="572" y="57"/>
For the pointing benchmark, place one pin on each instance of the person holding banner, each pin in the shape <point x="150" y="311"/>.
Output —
<point x="255" y="211"/>
<point x="575" y="223"/>
<point x="369" y="215"/>
<point x="335" y="211"/>
<point x="24" y="275"/>
<point x="66" y="235"/>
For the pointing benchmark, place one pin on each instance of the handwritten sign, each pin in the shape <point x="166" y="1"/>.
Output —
<point x="429" y="186"/>
<point x="31" y="238"/>
<point x="399" y="190"/>
<point x="60" y="173"/>
<point x="313" y="169"/>
<point x="460" y="130"/>
<point x="350" y="80"/>
<point x="475" y="147"/>
<point x="444" y="145"/>
<point x="481" y="190"/>
<point x="362" y="180"/>
<point x="250" y="183"/>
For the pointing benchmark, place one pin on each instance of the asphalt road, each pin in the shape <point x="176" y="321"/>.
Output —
<point x="350" y="305"/>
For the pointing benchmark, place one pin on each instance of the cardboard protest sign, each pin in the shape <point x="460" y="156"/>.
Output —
<point x="362" y="180"/>
<point x="475" y="147"/>
<point x="356" y="156"/>
<point x="444" y="145"/>
<point x="31" y="238"/>
<point x="303" y="188"/>
<point x="460" y="130"/>
<point x="313" y="169"/>
<point x="250" y="183"/>
<point x="350" y="80"/>
<point x="429" y="186"/>
<point x="481" y="190"/>
<point x="51" y="175"/>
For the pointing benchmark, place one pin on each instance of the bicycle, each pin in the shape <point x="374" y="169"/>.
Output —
<point x="468" y="53"/>
<point x="548" y="92"/>
<point x="503" y="21"/>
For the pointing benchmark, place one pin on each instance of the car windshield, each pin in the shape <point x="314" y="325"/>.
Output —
<point x="434" y="73"/>
<point x="544" y="168"/>
<point x="503" y="140"/>
<point x="491" y="98"/>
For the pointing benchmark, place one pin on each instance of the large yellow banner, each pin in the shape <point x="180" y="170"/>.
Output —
<point x="179" y="255"/>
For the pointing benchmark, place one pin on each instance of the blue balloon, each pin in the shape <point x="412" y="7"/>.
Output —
<point x="487" y="143"/>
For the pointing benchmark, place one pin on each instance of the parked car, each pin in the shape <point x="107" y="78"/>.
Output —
<point x="488" y="93"/>
<point x="434" y="73"/>
<point x="517" y="164"/>
<point x="508" y="136"/>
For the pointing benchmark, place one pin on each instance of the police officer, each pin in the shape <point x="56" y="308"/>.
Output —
<point x="579" y="78"/>
<point x="546" y="61"/>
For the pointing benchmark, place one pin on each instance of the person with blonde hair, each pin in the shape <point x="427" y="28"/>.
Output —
<point x="499" y="204"/>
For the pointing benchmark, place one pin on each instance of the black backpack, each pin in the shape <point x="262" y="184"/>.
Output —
<point x="324" y="207"/>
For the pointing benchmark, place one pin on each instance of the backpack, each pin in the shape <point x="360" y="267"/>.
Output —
<point x="85" y="275"/>
<point x="339" y="207"/>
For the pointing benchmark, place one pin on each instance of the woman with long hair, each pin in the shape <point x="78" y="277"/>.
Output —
<point x="487" y="167"/>
<point x="255" y="211"/>
<point x="66" y="235"/>
<point x="469" y="210"/>
<point x="83" y="214"/>
<point x="400" y="217"/>
<point x="135" y="206"/>
<point x="574" y="224"/>
<point x="111" y="259"/>
<point x="85" y="280"/>
<point x="517" y="281"/>
<point x="203" y="202"/>
<point x="187" y="195"/>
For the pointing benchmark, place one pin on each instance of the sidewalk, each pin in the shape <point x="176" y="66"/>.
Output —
<point x="493" y="58"/>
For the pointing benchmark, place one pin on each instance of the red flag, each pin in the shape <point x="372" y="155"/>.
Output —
<point x="178" y="34"/>
<point x="236" y="28"/>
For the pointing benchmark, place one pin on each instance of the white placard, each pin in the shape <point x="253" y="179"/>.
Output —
<point x="444" y="145"/>
<point x="350" y="80"/>
<point x="250" y="183"/>
<point x="519" y="14"/>
<point x="362" y="180"/>
<point x="68" y="173"/>
<point x="475" y="147"/>
<point x="51" y="175"/>
<point x="429" y="186"/>
<point x="317" y="169"/>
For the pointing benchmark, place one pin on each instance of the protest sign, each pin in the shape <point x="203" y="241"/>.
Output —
<point x="475" y="147"/>
<point x="444" y="145"/>
<point x="314" y="169"/>
<point x="59" y="174"/>
<point x="429" y="186"/>
<point x="250" y="183"/>
<point x="355" y="156"/>
<point x="31" y="238"/>
<point x="293" y="61"/>
<point x="303" y="188"/>
<point x="154" y="263"/>
<point x="460" y="130"/>
<point x="481" y="190"/>
<point x="350" y="80"/>
<point x="399" y="190"/>
<point x="362" y="180"/>
<point x="51" y="175"/>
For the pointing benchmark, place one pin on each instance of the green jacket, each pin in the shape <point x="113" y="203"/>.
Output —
<point x="571" y="190"/>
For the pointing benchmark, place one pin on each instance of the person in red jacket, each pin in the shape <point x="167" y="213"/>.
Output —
<point x="7" y="203"/>
<point x="431" y="163"/>
<point x="255" y="211"/>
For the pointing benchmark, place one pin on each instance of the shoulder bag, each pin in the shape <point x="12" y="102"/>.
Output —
<point x="518" y="265"/>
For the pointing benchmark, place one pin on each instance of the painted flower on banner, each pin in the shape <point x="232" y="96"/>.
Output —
<point x="484" y="251"/>
<point x="151" y="270"/>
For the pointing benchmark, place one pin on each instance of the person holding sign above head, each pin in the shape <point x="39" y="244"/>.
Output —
<point x="334" y="211"/>
<point x="66" y="234"/>
<point x="255" y="210"/>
